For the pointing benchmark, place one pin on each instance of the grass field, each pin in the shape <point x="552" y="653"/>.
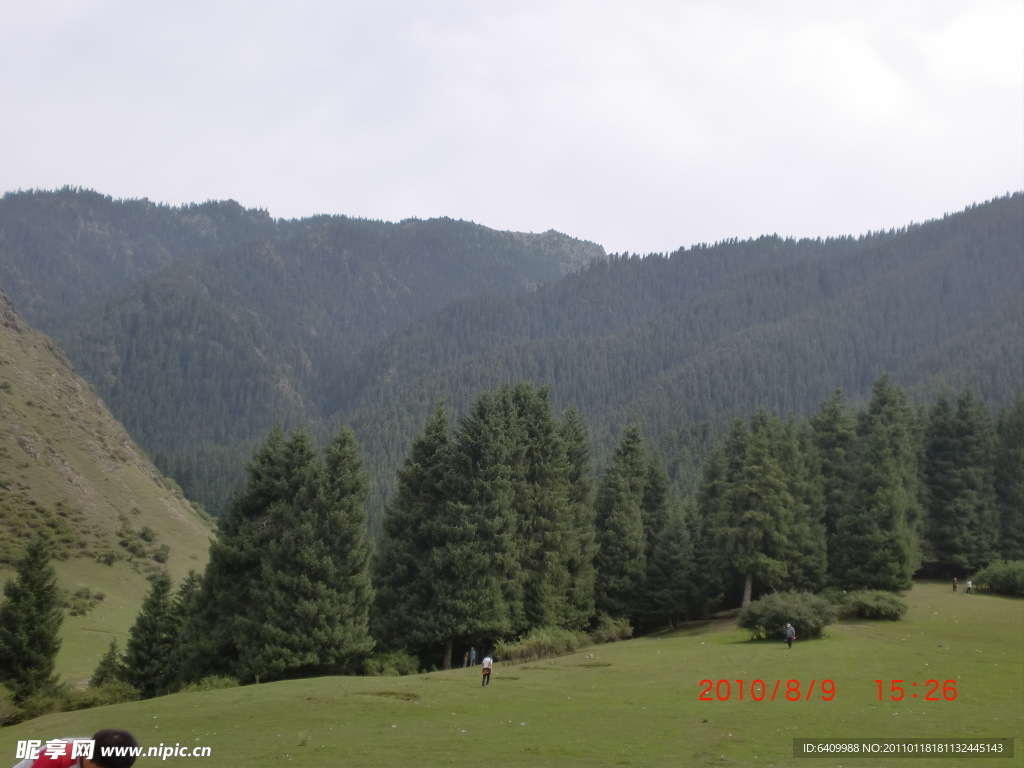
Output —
<point x="632" y="704"/>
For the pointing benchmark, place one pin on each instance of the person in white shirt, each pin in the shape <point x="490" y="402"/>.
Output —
<point x="488" y="663"/>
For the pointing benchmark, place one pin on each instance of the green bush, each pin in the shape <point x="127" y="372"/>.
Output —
<point x="767" y="618"/>
<point x="211" y="683"/>
<point x="610" y="630"/>
<point x="541" y="643"/>
<point x="1002" y="579"/>
<point x="873" y="604"/>
<point x="391" y="664"/>
<point x="110" y="692"/>
<point x="9" y="711"/>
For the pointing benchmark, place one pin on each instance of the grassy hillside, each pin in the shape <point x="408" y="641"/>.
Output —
<point x="70" y="471"/>
<point x="634" y="703"/>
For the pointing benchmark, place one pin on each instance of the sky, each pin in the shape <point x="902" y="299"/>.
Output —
<point x="643" y="126"/>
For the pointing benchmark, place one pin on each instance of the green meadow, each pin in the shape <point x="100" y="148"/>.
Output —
<point x="634" y="703"/>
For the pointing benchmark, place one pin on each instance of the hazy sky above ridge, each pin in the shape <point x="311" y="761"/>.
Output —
<point x="642" y="126"/>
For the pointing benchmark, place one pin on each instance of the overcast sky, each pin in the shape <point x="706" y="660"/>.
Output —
<point x="643" y="126"/>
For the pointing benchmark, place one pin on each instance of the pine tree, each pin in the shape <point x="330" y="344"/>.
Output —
<point x="655" y="503"/>
<point x="404" y="611"/>
<point x="620" y="561"/>
<point x="670" y="583"/>
<point x="1009" y="481"/>
<point x="720" y="471"/>
<point x="540" y="480"/>
<point x="873" y="546"/>
<point x="806" y="558"/>
<point x="889" y="410"/>
<point x="963" y="523"/>
<point x="151" y="639"/>
<point x="286" y="592"/>
<point x="30" y="619"/>
<point x="582" y="547"/>
<point x="314" y="594"/>
<point x="757" y="522"/>
<point x="835" y="437"/>
<point x="475" y="567"/>
<point x="186" y="609"/>
<point x="110" y="667"/>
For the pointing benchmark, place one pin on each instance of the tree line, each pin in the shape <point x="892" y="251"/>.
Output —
<point x="500" y="526"/>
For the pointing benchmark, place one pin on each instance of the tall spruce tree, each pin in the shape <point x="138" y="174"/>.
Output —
<point x="151" y="639"/>
<point x="834" y="433"/>
<point x="963" y="523"/>
<point x="110" y="667"/>
<point x="720" y="469"/>
<point x="30" y="619"/>
<point x="540" y="477"/>
<point x="285" y="592"/>
<point x="757" y="514"/>
<point x="582" y="546"/>
<point x="807" y="559"/>
<point x="478" y="578"/>
<point x="405" y="612"/>
<point x="889" y="410"/>
<point x="1009" y="480"/>
<point x="873" y="546"/>
<point x="655" y="502"/>
<point x="620" y="561"/>
<point x="186" y="607"/>
<point x="671" y="585"/>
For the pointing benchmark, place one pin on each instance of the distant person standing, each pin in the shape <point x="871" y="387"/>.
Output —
<point x="790" y="635"/>
<point x="465" y="659"/>
<point x="970" y="586"/>
<point x="472" y="656"/>
<point x="954" y="583"/>
<point x="487" y="664"/>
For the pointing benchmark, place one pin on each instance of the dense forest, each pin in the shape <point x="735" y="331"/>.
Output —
<point x="499" y="529"/>
<point x="204" y="326"/>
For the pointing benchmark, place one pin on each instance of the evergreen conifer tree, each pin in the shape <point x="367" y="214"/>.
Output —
<point x="286" y="592"/>
<point x="540" y="477"/>
<point x="670" y="584"/>
<point x="807" y="560"/>
<point x="151" y="639"/>
<point x="963" y="523"/>
<point x="1009" y="481"/>
<point x="655" y="503"/>
<point x="757" y="516"/>
<point x="404" y="610"/>
<point x="582" y="547"/>
<point x="873" y="546"/>
<point x="888" y="409"/>
<point x="620" y="562"/>
<point x="30" y="619"/>
<point x="110" y="667"/>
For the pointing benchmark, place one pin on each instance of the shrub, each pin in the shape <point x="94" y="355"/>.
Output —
<point x="210" y="683"/>
<point x="767" y="618"/>
<point x="9" y="712"/>
<point x="610" y="630"/>
<point x="874" y="604"/>
<point x="1002" y="578"/>
<point x="391" y="664"/>
<point x="110" y="692"/>
<point x="541" y="643"/>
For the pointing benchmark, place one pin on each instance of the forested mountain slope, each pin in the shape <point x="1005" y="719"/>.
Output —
<point x="685" y="343"/>
<point x="203" y="326"/>
<point x="68" y="469"/>
<point x="208" y="327"/>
